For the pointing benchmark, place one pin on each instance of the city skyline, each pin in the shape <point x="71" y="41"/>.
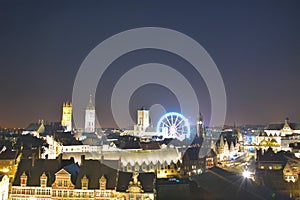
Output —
<point x="255" y="46"/>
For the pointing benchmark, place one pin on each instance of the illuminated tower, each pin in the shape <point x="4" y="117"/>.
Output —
<point x="66" y="120"/>
<point x="200" y="126"/>
<point x="143" y="118"/>
<point x="90" y="117"/>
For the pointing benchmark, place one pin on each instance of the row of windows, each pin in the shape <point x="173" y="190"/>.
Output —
<point x="105" y="194"/>
<point x="63" y="183"/>
<point x="60" y="193"/>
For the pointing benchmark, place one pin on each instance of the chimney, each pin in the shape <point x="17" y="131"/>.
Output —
<point x="82" y="159"/>
<point x="33" y="160"/>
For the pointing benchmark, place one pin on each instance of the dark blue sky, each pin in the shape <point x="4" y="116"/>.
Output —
<point x="255" y="44"/>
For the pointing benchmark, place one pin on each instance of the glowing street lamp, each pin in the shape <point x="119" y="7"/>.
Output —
<point x="246" y="174"/>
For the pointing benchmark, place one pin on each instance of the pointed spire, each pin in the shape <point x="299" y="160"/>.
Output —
<point x="90" y="105"/>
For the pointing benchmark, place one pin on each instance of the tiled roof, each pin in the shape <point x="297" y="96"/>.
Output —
<point x="50" y="167"/>
<point x="279" y="126"/>
<point x="94" y="170"/>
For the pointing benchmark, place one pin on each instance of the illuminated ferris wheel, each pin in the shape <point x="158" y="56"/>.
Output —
<point x="173" y="125"/>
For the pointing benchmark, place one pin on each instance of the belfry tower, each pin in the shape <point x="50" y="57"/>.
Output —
<point x="90" y="119"/>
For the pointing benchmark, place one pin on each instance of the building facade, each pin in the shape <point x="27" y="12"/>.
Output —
<point x="4" y="187"/>
<point x="66" y="120"/>
<point x="279" y="136"/>
<point x="90" y="117"/>
<point x="90" y="180"/>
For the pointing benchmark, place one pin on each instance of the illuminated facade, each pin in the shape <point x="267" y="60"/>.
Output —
<point x="54" y="148"/>
<point x="90" y="117"/>
<point x="227" y="150"/>
<point x="35" y="129"/>
<point x="279" y="136"/>
<point x="9" y="161"/>
<point x="131" y="160"/>
<point x="4" y="187"/>
<point x="92" y="180"/>
<point x="143" y="118"/>
<point x="66" y="120"/>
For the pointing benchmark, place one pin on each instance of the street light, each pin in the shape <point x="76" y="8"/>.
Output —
<point x="246" y="174"/>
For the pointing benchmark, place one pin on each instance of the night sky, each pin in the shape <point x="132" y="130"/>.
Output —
<point x="255" y="44"/>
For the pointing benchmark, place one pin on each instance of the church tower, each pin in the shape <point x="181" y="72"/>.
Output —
<point x="66" y="120"/>
<point x="90" y="119"/>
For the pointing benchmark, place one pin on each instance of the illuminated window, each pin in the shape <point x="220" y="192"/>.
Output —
<point x="65" y="183"/>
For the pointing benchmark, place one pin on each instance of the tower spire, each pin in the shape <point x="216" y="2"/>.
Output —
<point x="90" y="116"/>
<point x="90" y="105"/>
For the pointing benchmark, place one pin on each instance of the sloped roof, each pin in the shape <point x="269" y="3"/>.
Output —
<point x="191" y="153"/>
<point x="50" y="167"/>
<point x="275" y="126"/>
<point x="33" y="127"/>
<point x="94" y="170"/>
<point x="279" y="126"/>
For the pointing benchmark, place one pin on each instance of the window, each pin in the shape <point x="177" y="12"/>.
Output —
<point x="59" y="182"/>
<point x="65" y="183"/>
<point x="102" y="184"/>
<point x="59" y="193"/>
<point x="43" y="182"/>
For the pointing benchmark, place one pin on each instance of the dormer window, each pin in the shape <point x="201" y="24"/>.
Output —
<point x="84" y="183"/>
<point x="102" y="182"/>
<point x="43" y="180"/>
<point x="23" y="179"/>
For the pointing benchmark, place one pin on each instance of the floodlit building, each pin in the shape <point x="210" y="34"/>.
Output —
<point x="9" y="161"/>
<point x="64" y="179"/>
<point x="66" y="120"/>
<point x="4" y="187"/>
<point x="279" y="136"/>
<point x="35" y="129"/>
<point x="90" y="117"/>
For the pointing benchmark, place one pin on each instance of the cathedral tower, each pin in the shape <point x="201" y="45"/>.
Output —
<point x="90" y="119"/>
<point x="66" y="120"/>
<point x="143" y="118"/>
